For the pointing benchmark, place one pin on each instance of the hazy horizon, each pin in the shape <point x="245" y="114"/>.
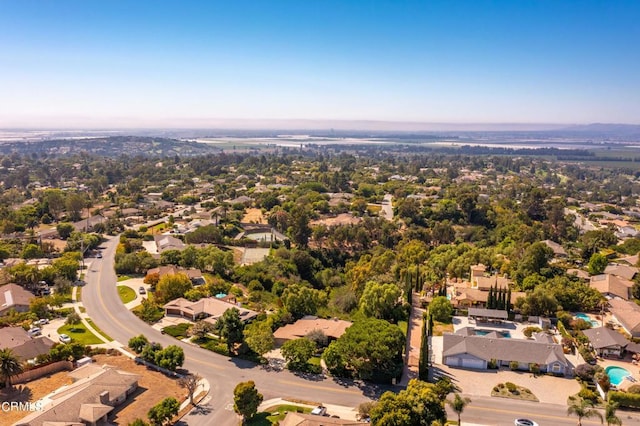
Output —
<point x="469" y="64"/>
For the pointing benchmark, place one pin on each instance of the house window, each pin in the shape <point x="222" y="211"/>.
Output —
<point x="556" y="368"/>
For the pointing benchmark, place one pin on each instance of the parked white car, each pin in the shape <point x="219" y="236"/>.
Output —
<point x="65" y="338"/>
<point x="34" y="331"/>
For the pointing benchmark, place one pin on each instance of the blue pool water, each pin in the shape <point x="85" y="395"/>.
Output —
<point x="616" y="374"/>
<point x="504" y="334"/>
<point x="585" y="317"/>
<point x="221" y="295"/>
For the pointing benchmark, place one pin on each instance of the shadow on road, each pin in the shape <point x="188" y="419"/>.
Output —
<point x="201" y="410"/>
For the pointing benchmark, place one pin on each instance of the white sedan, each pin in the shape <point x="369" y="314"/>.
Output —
<point x="64" y="338"/>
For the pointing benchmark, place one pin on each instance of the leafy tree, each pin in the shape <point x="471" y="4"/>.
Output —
<point x="138" y="422"/>
<point x="540" y="302"/>
<point x="440" y="309"/>
<point x="593" y="241"/>
<point x="418" y="404"/>
<point x="190" y="383"/>
<point x="164" y="411"/>
<point x="297" y="353"/>
<point x="75" y="203"/>
<point x="65" y="229"/>
<point x="66" y="267"/>
<point x="170" y="357"/>
<point x="458" y="404"/>
<point x="300" y="300"/>
<point x="610" y="417"/>
<point x="172" y="286"/>
<point x="370" y="349"/>
<point x="31" y="251"/>
<point x="246" y="399"/>
<point x="9" y="366"/>
<point x="299" y="229"/>
<point x="149" y="352"/>
<point x="318" y="337"/>
<point x="138" y="343"/>
<point x="201" y="328"/>
<point x="230" y="327"/>
<point x="380" y="300"/>
<point x="39" y="307"/>
<point x="581" y="409"/>
<point x="259" y="337"/>
<point x="597" y="263"/>
<point x="73" y="319"/>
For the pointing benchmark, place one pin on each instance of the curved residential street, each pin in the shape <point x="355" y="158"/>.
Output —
<point x="103" y="304"/>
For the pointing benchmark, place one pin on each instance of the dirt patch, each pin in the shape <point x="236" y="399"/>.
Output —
<point x="440" y="327"/>
<point x="254" y="215"/>
<point x="153" y="387"/>
<point x="57" y="244"/>
<point x="31" y="391"/>
<point x="341" y="219"/>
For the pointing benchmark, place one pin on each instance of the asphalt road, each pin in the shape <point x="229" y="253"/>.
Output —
<point x="103" y="304"/>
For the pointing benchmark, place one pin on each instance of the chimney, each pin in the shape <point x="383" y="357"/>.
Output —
<point x="104" y="398"/>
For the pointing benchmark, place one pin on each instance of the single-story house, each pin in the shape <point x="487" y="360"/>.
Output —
<point x="627" y="314"/>
<point x="624" y="271"/>
<point x="208" y="309"/>
<point x="13" y="296"/>
<point x="332" y="328"/>
<point x="88" y="401"/>
<point x="87" y="225"/>
<point x="477" y="352"/>
<point x="558" y="250"/>
<point x="612" y="286"/>
<point x="606" y="342"/>
<point x="195" y="275"/>
<point x="167" y="242"/>
<point x="24" y="346"/>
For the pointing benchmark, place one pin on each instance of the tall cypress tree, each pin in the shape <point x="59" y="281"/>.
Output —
<point x="508" y="306"/>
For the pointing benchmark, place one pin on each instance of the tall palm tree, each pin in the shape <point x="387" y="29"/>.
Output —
<point x="458" y="403"/>
<point x="583" y="409"/>
<point x="9" y="366"/>
<point x="610" y="414"/>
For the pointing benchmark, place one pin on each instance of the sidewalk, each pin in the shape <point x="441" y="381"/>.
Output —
<point x="107" y="344"/>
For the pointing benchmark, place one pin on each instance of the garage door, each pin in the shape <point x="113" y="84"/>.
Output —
<point x="472" y="363"/>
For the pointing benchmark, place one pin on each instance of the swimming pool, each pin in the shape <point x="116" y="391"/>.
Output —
<point x="480" y="332"/>
<point x="594" y="323"/>
<point x="616" y="374"/>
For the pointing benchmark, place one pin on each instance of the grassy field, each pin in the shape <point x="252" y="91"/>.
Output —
<point x="126" y="294"/>
<point x="123" y="278"/>
<point x="79" y="294"/>
<point x="440" y="327"/>
<point x="80" y="334"/>
<point x="96" y="328"/>
<point x="178" y="331"/>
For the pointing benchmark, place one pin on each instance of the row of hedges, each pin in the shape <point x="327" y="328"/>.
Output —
<point x="625" y="399"/>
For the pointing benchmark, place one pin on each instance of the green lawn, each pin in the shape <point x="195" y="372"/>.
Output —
<point x="123" y="278"/>
<point x="96" y="328"/>
<point x="267" y="418"/>
<point x="79" y="294"/>
<point x="126" y="294"/>
<point x="314" y="360"/>
<point x="178" y="331"/>
<point x="80" y="334"/>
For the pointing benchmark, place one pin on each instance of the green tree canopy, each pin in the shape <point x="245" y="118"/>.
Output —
<point x="370" y="349"/>
<point x="597" y="263"/>
<point x="230" y="327"/>
<point x="246" y="399"/>
<point x="297" y="353"/>
<point x="441" y="309"/>
<point x="417" y="405"/>
<point x="172" y="286"/>
<point x="259" y="337"/>
<point x="380" y="300"/>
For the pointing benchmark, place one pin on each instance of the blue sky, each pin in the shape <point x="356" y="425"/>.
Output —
<point x="174" y="62"/>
